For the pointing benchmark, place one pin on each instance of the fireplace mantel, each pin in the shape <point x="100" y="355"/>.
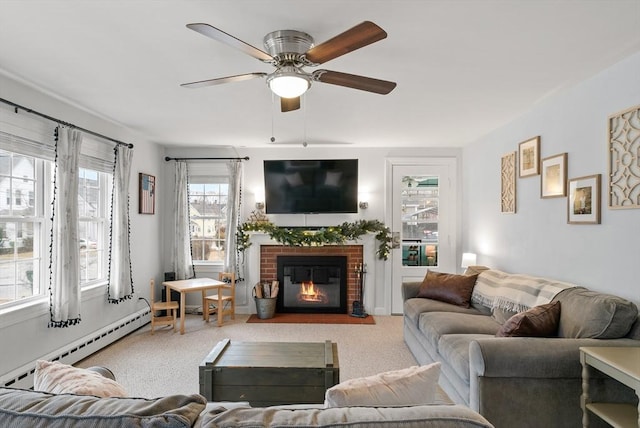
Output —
<point x="252" y="265"/>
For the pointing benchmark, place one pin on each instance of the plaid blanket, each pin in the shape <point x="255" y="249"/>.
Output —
<point x="514" y="292"/>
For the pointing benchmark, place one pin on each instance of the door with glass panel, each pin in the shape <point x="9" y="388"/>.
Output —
<point x="423" y="212"/>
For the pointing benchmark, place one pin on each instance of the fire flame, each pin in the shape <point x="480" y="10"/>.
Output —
<point x="310" y="293"/>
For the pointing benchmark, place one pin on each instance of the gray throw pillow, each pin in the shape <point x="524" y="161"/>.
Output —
<point x="589" y="314"/>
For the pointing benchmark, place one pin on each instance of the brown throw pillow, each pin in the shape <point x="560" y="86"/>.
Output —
<point x="448" y="287"/>
<point x="540" y="321"/>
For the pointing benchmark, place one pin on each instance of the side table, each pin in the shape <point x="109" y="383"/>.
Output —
<point x="621" y="364"/>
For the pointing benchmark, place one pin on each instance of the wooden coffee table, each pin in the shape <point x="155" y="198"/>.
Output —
<point x="269" y="373"/>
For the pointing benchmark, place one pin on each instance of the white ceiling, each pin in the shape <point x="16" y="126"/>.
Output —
<point x="463" y="68"/>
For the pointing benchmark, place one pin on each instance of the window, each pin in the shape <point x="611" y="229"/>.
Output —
<point x="22" y="225"/>
<point x="208" y="216"/>
<point x="27" y="154"/>
<point x="94" y="199"/>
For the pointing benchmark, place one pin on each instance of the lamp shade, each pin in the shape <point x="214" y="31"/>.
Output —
<point x="468" y="259"/>
<point x="287" y="82"/>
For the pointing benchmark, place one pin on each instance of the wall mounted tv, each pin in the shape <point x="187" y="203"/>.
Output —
<point x="311" y="186"/>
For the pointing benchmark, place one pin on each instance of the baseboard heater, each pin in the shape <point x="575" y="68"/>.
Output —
<point x="80" y="349"/>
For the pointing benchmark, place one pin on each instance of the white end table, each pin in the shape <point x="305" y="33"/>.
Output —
<point x="623" y="365"/>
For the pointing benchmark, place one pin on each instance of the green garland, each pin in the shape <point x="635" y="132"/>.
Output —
<point x="323" y="236"/>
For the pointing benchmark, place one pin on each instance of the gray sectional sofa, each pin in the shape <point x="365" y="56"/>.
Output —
<point x="519" y="381"/>
<point x="26" y="408"/>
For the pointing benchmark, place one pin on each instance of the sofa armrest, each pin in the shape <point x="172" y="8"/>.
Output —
<point x="536" y="373"/>
<point x="528" y="357"/>
<point x="410" y="289"/>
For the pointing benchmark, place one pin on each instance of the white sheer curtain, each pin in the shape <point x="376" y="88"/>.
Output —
<point x="64" y="288"/>
<point x="120" y="276"/>
<point x="233" y="217"/>
<point x="182" y="261"/>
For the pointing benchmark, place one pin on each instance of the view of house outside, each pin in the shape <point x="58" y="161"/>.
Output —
<point x="208" y="217"/>
<point x="23" y="238"/>
<point x="19" y="266"/>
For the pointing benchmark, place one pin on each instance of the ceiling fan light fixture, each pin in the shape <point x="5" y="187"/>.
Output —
<point x="287" y="82"/>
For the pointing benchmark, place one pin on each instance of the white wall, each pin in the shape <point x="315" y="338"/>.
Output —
<point x="537" y="239"/>
<point x="372" y="181"/>
<point x="24" y="334"/>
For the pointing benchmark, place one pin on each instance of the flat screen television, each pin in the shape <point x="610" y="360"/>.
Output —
<point x="311" y="186"/>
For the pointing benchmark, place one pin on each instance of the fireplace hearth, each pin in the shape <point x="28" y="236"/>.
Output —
<point x="312" y="284"/>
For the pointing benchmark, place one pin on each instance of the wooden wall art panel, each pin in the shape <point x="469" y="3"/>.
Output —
<point x="624" y="159"/>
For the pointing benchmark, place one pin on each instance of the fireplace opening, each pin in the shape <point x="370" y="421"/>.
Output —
<point x="312" y="284"/>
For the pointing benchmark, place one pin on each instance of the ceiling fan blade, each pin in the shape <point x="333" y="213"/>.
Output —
<point x="355" y="38"/>
<point x="354" y="81"/>
<point x="219" y="35"/>
<point x="221" y="80"/>
<point x="289" y="104"/>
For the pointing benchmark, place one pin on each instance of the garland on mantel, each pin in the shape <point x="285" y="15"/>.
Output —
<point x="323" y="236"/>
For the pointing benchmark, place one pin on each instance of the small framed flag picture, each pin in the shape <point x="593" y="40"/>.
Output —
<point x="147" y="194"/>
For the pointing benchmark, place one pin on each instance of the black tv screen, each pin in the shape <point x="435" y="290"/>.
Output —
<point x="311" y="186"/>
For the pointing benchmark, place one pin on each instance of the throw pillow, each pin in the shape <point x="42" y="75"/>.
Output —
<point x="448" y="287"/>
<point x="587" y="313"/>
<point x="406" y="387"/>
<point x="57" y="378"/>
<point x="540" y="321"/>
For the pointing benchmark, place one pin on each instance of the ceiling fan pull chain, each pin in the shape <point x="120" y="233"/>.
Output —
<point x="304" y="119"/>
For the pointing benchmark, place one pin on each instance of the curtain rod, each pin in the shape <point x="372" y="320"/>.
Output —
<point x="62" y="122"/>
<point x="167" y="158"/>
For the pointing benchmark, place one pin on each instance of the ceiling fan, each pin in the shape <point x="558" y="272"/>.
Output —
<point x="289" y="51"/>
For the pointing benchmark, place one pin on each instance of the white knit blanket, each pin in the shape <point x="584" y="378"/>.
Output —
<point x="514" y="292"/>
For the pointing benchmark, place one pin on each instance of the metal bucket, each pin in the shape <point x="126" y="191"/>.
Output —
<point x="265" y="307"/>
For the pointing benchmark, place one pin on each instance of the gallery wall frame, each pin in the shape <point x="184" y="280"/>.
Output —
<point x="146" y="193"/>
<point x="583" y="205"/>
<point x="508" y="183"/>
<point x="529" y="157"/>
<point x="624" y="162"/>
<point x="553" y="176"/>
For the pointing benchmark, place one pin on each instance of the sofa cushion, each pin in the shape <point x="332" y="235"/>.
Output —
<point x="415" y="307"/>
<point x="59" y="378"/>
<point x="20" y="407"/>
<point x="406" y="387"/>
<point x="454" y="349"/>
<point x="540" y="321"/>
<point x="634" y="332"/>
<point x="447" y="287"/>
<point x="587" y="313"/>
<point x="442" y="416"/>
<point x="436" y="324"/>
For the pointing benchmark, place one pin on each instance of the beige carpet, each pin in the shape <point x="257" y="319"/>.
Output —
<point x="167" y="362"/>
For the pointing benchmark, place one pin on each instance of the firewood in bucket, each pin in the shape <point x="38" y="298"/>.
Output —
<point x="274" y="288"/>
<point x="257" y="290"/>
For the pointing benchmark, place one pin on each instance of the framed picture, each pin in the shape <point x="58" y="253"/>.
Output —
<point x="508" y="183"/>
<point x="624" y="158"/>
<point x="553" y="180"/>
<point x="147" y="194"/>
<point x="529" y="156"/>
<point x="584" y="200"/>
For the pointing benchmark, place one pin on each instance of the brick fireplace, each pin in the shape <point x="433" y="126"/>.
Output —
<point x="353" y="253"/>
